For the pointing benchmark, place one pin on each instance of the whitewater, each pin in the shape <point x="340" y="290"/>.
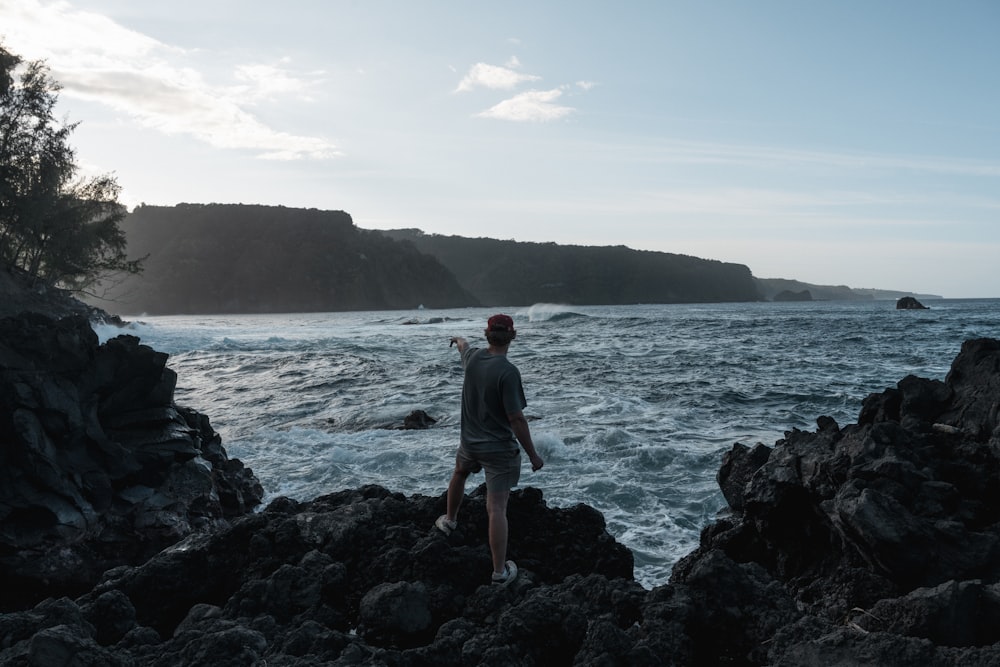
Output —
<point x="632" y="407"/>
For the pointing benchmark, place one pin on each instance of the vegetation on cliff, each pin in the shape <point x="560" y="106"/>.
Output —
<point x="779" y="289"/>
<point x="216" y="258"/>
<point x="517" y="273"/>
<point x="235" y="258"/>
<point x="222" y="258"/>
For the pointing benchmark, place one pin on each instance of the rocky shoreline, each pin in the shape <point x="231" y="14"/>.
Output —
<point x="100" y="468"/>
<point x="128" y="537"/>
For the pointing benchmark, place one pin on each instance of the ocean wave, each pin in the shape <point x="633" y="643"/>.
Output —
<point x="550" y="312"/>
<point x="636" y="404"/>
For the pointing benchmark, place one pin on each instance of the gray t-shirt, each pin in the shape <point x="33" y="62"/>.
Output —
<point x="491" y="390"/>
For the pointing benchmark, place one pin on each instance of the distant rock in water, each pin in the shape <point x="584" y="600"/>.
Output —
<point x="909" y="303"/>
<point x="787" y="295"/>
<point x="418" y="419"/>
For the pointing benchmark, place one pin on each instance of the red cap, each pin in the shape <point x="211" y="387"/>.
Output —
<point x="500" y="322"/>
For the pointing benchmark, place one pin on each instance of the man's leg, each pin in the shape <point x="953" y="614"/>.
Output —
<point x="496" y="507"/>
<point x="456" y="491"/>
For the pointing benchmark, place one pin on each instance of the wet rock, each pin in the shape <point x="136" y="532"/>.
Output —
<point x="888" y="527"/>
<point x="909" y="303"/>
<point x="396" y="614"/>
<point x="418" y="419"/>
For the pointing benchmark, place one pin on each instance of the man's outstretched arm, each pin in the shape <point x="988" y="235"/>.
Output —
<point x="461" y="342"/>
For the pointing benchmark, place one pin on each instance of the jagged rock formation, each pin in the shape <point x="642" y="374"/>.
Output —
<point x="873" y="543"/>
<point x="98" y="467"/>
<point x="880" y="541"/>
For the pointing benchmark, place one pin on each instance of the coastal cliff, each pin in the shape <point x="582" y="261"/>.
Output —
<point x="876" y="542"/>
<point x="235" y="258"/>
<point x="216" y="258"/>
<point x="520" y="274"/>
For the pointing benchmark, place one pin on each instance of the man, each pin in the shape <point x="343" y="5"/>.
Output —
<point x="492" y="426"/>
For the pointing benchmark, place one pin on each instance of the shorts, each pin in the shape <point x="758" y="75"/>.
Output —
<point x="502" y="465"/>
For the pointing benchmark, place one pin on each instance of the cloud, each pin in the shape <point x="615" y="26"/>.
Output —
<point x="493" y="77"/>
<point x="529" y="106"/>
<point x="534" y="105"/>
<point x="96" y="59"/>
<point x="266" y="82"/>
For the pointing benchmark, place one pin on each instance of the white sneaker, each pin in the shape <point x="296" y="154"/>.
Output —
<point x="508" y="575"/>
<point x="444" y="525"/>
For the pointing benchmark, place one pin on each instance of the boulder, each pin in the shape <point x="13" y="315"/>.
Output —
<point x="909" y="303"/>
<point x="418" y="419"/>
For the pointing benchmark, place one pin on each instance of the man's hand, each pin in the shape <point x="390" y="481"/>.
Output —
<point x="519" y="425"/>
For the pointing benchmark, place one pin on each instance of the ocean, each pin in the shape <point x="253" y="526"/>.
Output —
<point x="632" y="407"/>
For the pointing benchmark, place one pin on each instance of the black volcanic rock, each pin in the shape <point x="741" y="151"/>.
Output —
<point x="899" y="513"/>
<point x="360" y="573"/>
<point x="876" y="543"/>
<point x="909" y="303"/>
<point x="99" y="467"/>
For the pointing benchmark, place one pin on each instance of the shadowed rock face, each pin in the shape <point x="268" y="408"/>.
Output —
<point x="872" y="543"/>
<point x="98" y="466"/>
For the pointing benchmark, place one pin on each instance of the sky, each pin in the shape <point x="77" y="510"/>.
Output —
<point x="838" y="142"/>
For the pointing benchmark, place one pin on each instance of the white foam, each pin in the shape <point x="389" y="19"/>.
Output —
<point x="302" y="399"/>
<point x="541" y="312"/>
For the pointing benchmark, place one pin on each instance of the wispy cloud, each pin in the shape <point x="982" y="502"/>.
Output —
<point x="96" y="59"/>
<point x="528" y="106"/>
<point x="533" y="105"/>
<point x="267" y="82"/>
<point x="493" y="77"/>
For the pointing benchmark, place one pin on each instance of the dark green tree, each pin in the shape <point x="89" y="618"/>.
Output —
<point x="55" y="226"/>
